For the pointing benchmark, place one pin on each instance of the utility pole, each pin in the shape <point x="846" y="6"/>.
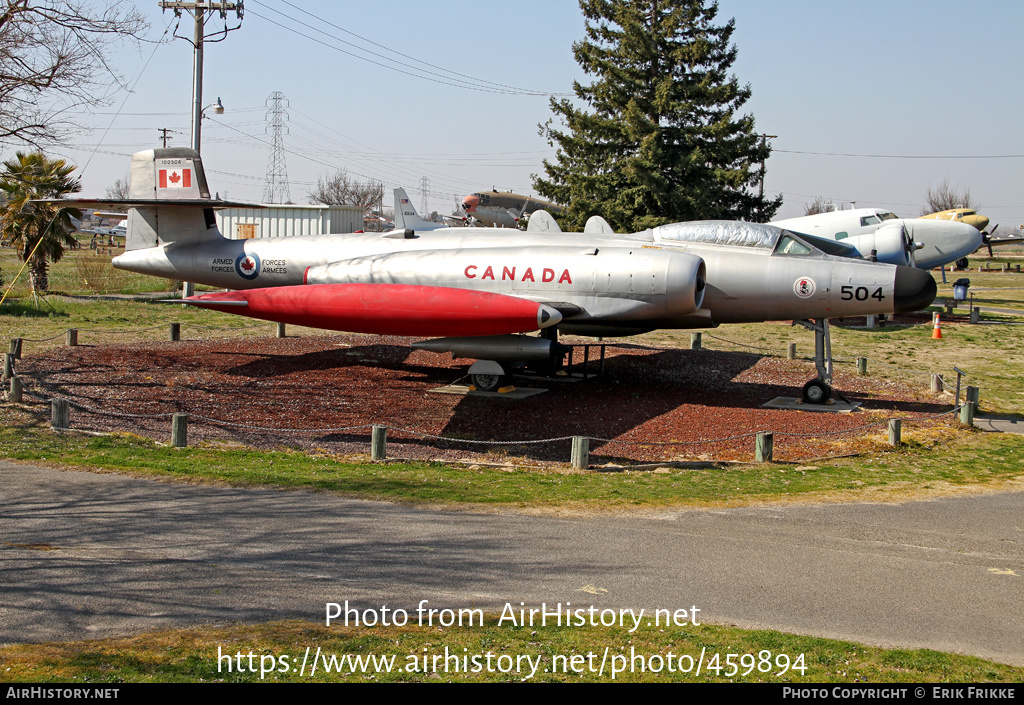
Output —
<point x="165" y="131"/>
<point x="199" y="11"/>
<point x="760" y="188"/>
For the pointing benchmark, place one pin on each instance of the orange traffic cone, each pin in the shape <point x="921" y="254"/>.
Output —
<point x="937" y="332"/>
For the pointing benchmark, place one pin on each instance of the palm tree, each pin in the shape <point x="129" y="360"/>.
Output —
<point x="41" y="232"/>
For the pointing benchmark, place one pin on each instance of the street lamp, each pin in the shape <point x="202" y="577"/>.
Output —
<point x="218" y="107"/>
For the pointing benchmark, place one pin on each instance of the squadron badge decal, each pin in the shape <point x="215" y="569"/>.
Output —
<point x="804" y="287"/>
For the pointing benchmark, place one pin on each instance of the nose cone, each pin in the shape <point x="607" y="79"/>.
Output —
<point x="978" y="221"/>
<point x="469" y="203"/>
<point x="943" y="241"/>
<point x="547" y="316"/>
<point x="914" y="289"/>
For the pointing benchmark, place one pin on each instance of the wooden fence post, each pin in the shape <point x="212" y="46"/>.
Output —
<point x="175" y="332"/>
<point x="179" y="430"/>
<point x="72" y="337"/>
<point x="894" y="432"/>
<point x="378" y="442"/>
<point x="763" y="447"/>
<point x="972" y="397"/>
<point x="60" y="414"/>
<point x="967" y="410"/>
<point x="580" y="457"/>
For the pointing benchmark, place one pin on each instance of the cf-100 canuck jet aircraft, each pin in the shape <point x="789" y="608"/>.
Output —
<point x="476" y="292"/>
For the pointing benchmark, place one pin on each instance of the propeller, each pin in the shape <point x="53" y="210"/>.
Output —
<point x="522" y="213"/>
<point x="986" y="239"/>
<point x="909" y="246"/>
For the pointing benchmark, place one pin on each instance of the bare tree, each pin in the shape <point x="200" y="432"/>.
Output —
<point x="819" y="205"/>
<point x="341" y="190"/>
<point x="53" y="59"/>
<point x="119" y="190"/>
<point x="945" y="197"/>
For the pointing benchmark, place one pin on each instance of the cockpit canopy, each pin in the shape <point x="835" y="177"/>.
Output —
<point x="760" y="236"/>
<point x="877" y="218"/>
<point x="720" y="232"/>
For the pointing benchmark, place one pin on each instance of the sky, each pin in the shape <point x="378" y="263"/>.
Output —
<point x="455" y="92"/>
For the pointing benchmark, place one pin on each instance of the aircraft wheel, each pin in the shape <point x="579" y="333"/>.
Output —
<point x="962" y="263"/>
<point x="488" y="383"/>
<point x="817" y="392"/>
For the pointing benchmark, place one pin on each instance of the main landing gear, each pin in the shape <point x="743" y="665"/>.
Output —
<point x="488" y="375"/>
<point x="542" y="356"/>
<point x="819" y="391"/>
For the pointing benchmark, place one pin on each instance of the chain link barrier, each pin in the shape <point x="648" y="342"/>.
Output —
<point x="447" y="439"/>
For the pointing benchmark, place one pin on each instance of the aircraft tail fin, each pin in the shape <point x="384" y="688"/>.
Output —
<point x="173" y="174"/>
<point x="542" y="222"/>
<point x="406" y="217"/>
<point x="596" y="225"/>
<point x="168" y="199"/>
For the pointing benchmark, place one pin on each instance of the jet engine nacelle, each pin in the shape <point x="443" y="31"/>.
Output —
<point x="889" y="243"/>
<point x="613" y="283"/>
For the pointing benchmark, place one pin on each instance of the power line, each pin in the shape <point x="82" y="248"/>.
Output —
<point x="901" y="156"/>
<point x="422" y="73"/>
<point x="525" y="91"/>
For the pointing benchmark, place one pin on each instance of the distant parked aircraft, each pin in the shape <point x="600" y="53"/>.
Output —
<point x="972" y="217"/>
<point x="504" y="209"/>
<point x="875" y="232"/>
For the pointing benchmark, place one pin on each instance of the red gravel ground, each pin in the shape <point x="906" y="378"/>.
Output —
<point x="303" y="392"/>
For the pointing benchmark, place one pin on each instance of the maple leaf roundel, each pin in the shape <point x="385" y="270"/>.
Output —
<point x="248" y="265"/>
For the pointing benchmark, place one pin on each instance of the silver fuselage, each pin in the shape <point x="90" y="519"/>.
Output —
<point x="606" y="284"/>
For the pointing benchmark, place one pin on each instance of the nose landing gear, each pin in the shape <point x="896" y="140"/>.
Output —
<point x="819" y="391"/>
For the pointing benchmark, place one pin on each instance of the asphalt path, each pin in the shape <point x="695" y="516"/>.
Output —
<point x="88" y="555"/>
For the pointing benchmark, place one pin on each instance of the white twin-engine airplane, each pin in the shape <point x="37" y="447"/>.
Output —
<point x="873" y="232"/>
<point x="476" y="292"/>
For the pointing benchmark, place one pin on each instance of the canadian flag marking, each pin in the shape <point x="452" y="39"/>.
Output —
<point x="175" y="178"/>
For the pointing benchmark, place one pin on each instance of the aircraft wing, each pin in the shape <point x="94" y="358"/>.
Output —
<point x="1012" y="240"/>
<point x="88" y="203"/>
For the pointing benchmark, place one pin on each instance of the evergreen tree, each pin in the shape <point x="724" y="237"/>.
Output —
<point x="660" y="139"/>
